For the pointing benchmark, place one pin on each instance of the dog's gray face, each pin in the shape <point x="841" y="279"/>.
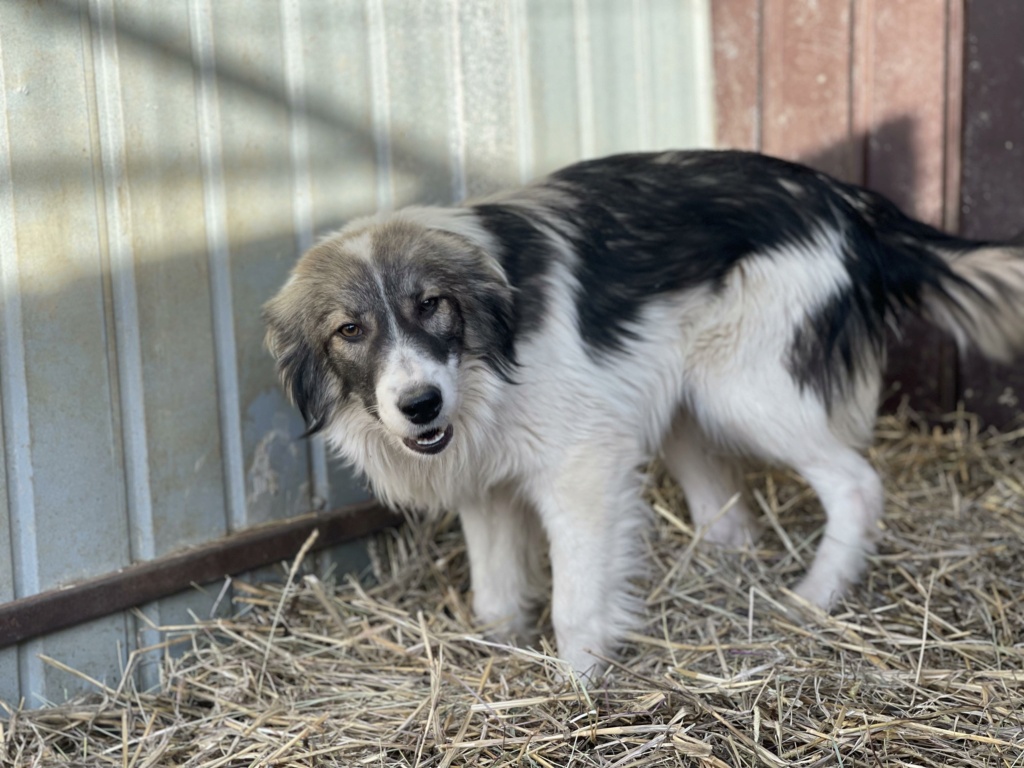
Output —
<point x="381" y="318"/>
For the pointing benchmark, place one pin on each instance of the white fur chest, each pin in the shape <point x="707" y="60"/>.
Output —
<point x="488" y="448"/>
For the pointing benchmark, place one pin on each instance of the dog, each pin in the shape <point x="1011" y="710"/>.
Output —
<point x="518" y="359"/>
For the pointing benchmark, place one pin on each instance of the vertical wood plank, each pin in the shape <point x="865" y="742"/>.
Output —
<point x="900" y="83"/>
<point x="993" y="174"/>
<point x="955" y="42"/>
<point x="736" y="27"/>
<point x="993" y="166"/>
<point x="807" y="99"/>
<point x="868" y="91"/>
<point x="901" y="106"/>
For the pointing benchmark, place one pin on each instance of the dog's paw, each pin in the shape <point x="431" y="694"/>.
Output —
<point x="822" y="593"/>
<point x="581" y="668"/>
<point x="518" y="631"/>
<point x="735" y="528"/>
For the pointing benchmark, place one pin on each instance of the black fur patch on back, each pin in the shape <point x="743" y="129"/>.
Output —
<point x="650" y="224"/>
<point x="647" y="225"/>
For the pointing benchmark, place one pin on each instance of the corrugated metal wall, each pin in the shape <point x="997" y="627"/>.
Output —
<point x="160" y="166"/>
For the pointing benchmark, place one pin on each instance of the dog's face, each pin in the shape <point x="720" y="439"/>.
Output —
<point x="380" y="317"/>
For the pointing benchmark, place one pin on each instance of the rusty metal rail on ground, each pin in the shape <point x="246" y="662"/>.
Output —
<point x="64" y="607"/>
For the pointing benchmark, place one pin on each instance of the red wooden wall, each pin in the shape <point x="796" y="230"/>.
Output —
<point x="922" y="100"/>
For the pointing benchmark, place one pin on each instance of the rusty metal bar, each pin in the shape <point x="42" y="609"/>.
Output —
<point x="137" y="584"/>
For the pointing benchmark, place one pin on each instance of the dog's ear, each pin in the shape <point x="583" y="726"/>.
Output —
<point x="302" y="371"/>
<point x="488" y="307"/>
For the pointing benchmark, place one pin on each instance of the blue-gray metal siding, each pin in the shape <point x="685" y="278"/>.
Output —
<point x="161" y="164"/>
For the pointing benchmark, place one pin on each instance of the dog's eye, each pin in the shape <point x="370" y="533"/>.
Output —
<point x="350" y="331"/>
<point x="429" y="306"/>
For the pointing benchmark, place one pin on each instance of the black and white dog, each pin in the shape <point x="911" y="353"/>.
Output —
<point x="518" y="359"/>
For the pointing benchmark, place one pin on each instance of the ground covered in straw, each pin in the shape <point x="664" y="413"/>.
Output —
<point x="922" y="666"/>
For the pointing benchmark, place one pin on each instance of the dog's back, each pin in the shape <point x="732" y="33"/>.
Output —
<point x="645" y="225"/>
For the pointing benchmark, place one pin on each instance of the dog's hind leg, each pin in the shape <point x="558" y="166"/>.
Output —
<point x="711" y="482"/>
<point x="786" y="426"/>
<point x="506" y="547"/>
<point x="851" y="492"/>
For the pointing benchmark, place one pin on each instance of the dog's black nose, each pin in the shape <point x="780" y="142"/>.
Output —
<point x="422" y="405"/>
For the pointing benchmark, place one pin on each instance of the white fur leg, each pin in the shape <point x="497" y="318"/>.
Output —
<point x="506" y="548"/>
<point x="592" y="515"/>
<point x="797" y="430"/>
<point x="851" y="492"/>
<point x="709" y="481"/>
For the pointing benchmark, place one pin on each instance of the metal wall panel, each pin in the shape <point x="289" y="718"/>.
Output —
<point x="8" y="656"/>
<point x="160" y="167"/>
<point x="419" y="96"/>
<point x="64" y="432"/>
<point x="622" y="83"/>
<point x="10" y="341"/>
<point x="554" y="104"/>
<point x="334" y="154"/>
<point x="679" y="57"/>
<point x="165" y="324"/>
<point x="490" y="146"/>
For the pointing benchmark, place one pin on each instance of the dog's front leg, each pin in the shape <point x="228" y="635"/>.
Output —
<point x="506" y="548"/>
<point x="592" y="512"/>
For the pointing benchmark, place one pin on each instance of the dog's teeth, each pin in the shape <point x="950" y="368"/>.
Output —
<point x="430" y="439"/>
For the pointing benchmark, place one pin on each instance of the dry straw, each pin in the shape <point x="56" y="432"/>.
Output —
<point x="922" y="666"/>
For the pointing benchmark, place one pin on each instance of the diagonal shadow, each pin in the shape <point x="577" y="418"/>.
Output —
<point x="166" y="48"/>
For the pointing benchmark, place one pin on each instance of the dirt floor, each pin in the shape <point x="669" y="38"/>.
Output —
<point x="922" y="666"/>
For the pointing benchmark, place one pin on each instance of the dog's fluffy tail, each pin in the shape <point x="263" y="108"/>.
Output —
<point x="972" y="289"/>
<point x="980" y="301"/>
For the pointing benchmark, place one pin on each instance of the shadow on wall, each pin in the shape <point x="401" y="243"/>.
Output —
<point x="180" y="52"/>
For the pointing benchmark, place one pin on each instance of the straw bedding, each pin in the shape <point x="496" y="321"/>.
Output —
<point x="922" y="666"/>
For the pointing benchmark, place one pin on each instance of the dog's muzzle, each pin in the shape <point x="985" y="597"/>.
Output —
<point x="422" y="406"/>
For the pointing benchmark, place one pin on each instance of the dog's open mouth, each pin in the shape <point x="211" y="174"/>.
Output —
<point x="434" y="441"/>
